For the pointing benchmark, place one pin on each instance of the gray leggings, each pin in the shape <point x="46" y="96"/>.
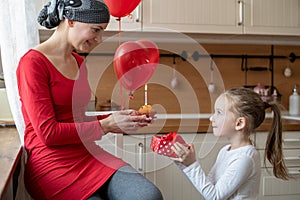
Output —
<point x="127" y="184"/>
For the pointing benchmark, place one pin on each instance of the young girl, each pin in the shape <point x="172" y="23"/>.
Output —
<point x="236" y="172"/>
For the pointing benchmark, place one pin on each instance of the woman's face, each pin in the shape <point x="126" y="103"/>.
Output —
<point x="85" y="37"/>
<point x="223" y="121"/>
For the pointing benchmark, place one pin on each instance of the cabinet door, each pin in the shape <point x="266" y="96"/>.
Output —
<point x="291" y="139"/>
<point x="291" y="158"/>
<point x="279" y="17"/>
<point x="127" y="23"/>
<point x="198" y="16"/>
<point x="129" y="148"/>
<point x="134" y="151"/>
<point x="272" y="188"/>
<point x="169" y="179"/>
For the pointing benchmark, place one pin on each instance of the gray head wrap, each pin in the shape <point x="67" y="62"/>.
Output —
<point x="86" y="11"/>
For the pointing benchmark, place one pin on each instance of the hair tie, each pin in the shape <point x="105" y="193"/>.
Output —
<point x="267" y="105"/>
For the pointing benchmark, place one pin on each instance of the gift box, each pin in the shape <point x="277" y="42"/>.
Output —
<point x="161" y="144"/>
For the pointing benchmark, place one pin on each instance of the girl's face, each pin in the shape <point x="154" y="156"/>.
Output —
<point x="85" y="37"/>
<point x="223" y="121"/>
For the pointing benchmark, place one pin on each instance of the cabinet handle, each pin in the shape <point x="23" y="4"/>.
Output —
<point x="140" y="161"/>
<point x="241" y="12"/>
<point x="291" y="140"/>
<point x="294" y="172"/>
<point x="293" y="158"/>
<point x="138" y="13"/>
<point x="119" y="145"/>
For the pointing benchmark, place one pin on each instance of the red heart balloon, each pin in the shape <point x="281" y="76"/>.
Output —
<point x="121" y="8"/>
<point x="135" y="63"/>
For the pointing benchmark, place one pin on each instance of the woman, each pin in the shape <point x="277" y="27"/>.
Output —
<point x="63" y="160"/>
<point x="236" y="172"/>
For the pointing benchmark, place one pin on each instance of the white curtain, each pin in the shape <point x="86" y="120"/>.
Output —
<point x="18" y="33"/>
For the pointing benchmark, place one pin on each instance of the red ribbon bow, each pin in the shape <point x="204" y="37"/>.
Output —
<point x="161" y="144"/>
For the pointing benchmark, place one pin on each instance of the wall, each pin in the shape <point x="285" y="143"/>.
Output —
<point x="234" y="77"/>
<point x="104" y="82"/>
<point x="231" y="75"/>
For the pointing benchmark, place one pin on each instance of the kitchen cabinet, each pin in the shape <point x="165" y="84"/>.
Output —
<point x="198" y="16"/>
<point x="132" y="22"/>
<point x="272" y="188"/>
<point x="270" y="17"/>
<point x="135" y="149"/>
<point x="130" y="148"/>
<point x="134" y="152"/>
<point x="274" y="17"/>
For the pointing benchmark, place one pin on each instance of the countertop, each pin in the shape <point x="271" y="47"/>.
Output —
<point x="203" y="126"/>
<point x="290" y="117"/>
<point x="10" y="153"/>
<point x="191" y="123"/>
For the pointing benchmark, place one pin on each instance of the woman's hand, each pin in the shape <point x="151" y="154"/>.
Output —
<point x="186" y="154"/>
<point x="124" y="121"/>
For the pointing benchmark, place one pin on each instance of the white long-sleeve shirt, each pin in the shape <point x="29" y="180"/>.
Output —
<point x="235" y="175"/>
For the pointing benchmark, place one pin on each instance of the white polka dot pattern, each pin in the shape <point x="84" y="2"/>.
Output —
<point x="161" y="144"/>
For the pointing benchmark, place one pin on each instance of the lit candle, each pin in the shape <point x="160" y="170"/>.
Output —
<point x="146" y="95"/>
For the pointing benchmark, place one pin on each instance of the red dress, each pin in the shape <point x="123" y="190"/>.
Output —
<point x="63" y="160"/>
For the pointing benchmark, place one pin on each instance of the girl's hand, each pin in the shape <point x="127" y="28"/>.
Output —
<point x="186" y="154"/>
<point x="124" y="121"/>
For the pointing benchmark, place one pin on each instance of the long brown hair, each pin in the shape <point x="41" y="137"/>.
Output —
<point x="246" y="103"/>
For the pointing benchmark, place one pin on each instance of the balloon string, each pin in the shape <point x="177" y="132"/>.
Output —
<point x="119" y="38"/>
<point x="119" y="19"/>
<point x="121" y="98"/>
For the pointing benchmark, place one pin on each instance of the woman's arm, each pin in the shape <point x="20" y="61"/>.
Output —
<point x="38" y="108"/>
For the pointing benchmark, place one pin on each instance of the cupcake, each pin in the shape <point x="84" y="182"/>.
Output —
<point x="147" y="110"/>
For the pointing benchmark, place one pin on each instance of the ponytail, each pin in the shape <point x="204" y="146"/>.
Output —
<point x="273" y="150"/>
<point x="246" y="103"/>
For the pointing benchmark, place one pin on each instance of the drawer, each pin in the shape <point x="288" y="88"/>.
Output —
<point x="279" y="189"/>
<point x="291" y="157"/>
<point x="291" y="139"/>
